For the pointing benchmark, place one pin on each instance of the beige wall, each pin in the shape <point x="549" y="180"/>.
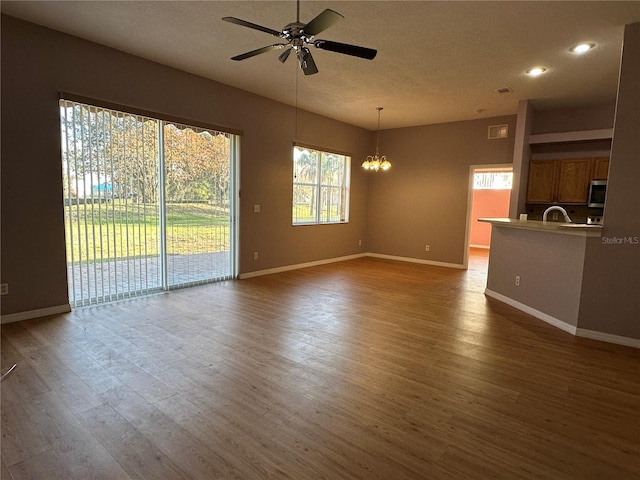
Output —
<point x="423" y="198"/>
<point x="38" y="63"/>
<point x="550" y="266"/>
<point x="521" y="157"/>
<point x="610" y="299"/>
<point x="595" y="117"/>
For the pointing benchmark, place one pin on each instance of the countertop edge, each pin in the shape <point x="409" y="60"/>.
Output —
<point x="550" y="227"/>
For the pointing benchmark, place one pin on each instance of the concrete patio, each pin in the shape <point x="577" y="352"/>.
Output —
<point x="107" y="281"/>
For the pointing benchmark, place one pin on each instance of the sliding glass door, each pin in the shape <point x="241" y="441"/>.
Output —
<point x="198" y="204"/>
<point x="148" y="204"/>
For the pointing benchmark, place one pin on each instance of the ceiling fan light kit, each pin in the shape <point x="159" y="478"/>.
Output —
<point x="299" y="36"/>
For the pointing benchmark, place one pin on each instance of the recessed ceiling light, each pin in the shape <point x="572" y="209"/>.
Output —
<point x="535" y="72"/>
<point x="582" y="48"/>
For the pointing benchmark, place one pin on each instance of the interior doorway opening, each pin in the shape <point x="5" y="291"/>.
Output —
<point x="489" y="197"/>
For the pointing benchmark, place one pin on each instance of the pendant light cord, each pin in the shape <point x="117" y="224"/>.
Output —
<point x="378" y="136"/>
<point x="377" y="163"/>
<point x="295" y="133"/>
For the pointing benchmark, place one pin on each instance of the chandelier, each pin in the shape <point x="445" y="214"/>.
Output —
<point x="377" y="163"/>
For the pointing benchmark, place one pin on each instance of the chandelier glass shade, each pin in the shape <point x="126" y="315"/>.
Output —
<point x="377" y="162"/>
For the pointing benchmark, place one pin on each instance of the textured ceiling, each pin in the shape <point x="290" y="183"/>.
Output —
<point x="437" y="61"/>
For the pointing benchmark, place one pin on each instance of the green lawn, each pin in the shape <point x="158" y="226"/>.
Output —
<point x="119" y="229"/>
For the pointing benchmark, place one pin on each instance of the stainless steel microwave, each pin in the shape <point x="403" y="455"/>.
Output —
<point x="597" y="193"/>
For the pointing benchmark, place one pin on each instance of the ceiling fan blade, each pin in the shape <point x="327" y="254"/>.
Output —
<point x="323" y="21"/>
<point x="307" y="64"/>
<point x="284" y="55"/>
<point x="346" y="49"/>
<point x="253" y="53"/>
<point x="255" y="26"/>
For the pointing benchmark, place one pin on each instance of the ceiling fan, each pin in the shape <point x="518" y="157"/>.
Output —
<point x="299" y="35"/>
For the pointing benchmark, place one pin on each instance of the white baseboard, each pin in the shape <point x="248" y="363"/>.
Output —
<point x="297" y="266"/>
<point x="533" y="312"/>
<point x="286" y="268"/>
<point x="609" y="337"/>
<point x="43" y="312"/>
<point x="416" y="260"/>
<point x="579" y="332"/>
<point x="29" y="314"/>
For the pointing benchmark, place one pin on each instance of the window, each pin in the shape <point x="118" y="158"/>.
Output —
<point x="320" y="186"/>
<point x="493" y="180"/>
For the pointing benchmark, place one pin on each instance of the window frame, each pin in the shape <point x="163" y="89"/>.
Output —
<point x="322" y="190"/>
<point x="133" y="254"/>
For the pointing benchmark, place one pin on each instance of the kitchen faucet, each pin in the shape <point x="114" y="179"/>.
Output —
<point x="556" y="207"/>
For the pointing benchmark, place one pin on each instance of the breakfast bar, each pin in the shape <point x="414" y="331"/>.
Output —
<point x="537" y="267"/>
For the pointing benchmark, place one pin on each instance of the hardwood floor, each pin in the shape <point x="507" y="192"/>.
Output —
<point x="366" y="369"/>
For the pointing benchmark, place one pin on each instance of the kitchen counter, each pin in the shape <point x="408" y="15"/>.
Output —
<point x="537" y="267"/>
<point x="581" y="229"/>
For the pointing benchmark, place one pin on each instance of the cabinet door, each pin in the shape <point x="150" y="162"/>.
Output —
<point x="542" y="181"/>
<point x="573" y="186"/>
<point x="600" y="168"/>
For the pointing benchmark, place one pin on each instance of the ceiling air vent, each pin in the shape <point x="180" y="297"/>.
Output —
<point x="504" y="90"/>
<point x="498" y="131"/>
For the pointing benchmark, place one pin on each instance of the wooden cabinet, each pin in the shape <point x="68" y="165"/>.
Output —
<point x="573" y="181"/>
<point x="564" y="181"/>
<point x="600" y="168"/>
<point x="542" y="181"/>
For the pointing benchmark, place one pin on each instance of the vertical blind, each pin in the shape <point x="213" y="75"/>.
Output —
<point x="148" y="203"/>
<point x="493" y="180"/>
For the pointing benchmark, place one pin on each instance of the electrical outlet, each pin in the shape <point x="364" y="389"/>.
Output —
<point x="360" y="242"/>
<point x="426" y="248"/>
<point x="255" y="255"/>
<point x="517" y="280"/>
<point x="4" y="289"/>
<point x="554" y="216"/>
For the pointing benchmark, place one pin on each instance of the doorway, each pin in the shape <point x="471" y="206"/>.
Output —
<point x="489" y="197"/>
<point x="148" y="204"/>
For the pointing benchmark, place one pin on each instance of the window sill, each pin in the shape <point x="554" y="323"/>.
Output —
<point x="318" y="223"/>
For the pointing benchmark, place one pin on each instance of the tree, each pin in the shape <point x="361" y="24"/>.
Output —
<point x="119" y="153"/>
<point x="105" y="147"/>
<point x="305" y="174"/>
<point x="197" y="164"/>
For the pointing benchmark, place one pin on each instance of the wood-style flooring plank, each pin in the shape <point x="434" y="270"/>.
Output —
<point x="46" y="465"/>
<point x="138" y="456"/>
<point x="74" y="444"/>
<point x="194" y="458"/>
<point x="5" y="474"/>
<point x="364" y="369"/>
